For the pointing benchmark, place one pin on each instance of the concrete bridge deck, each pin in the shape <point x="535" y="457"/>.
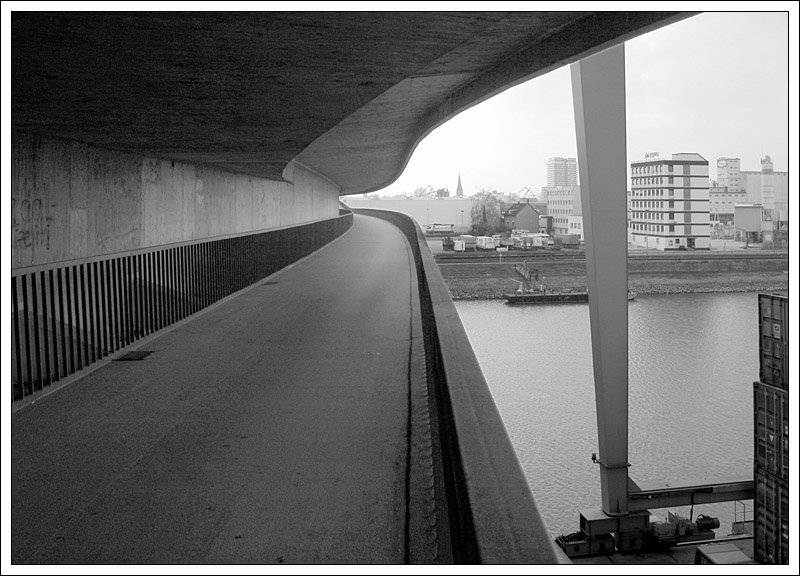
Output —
<point x="270" y="428"/>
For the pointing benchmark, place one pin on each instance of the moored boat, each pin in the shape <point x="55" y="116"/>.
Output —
<point x="546" y="297"/>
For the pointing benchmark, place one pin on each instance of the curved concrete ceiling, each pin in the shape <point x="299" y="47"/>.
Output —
<point x="347" y="94"/>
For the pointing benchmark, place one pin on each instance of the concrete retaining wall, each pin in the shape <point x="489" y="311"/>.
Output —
<point x="71" y="200"/>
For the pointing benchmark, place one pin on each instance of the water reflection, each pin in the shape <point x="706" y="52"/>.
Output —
<point x="692" y="361"/>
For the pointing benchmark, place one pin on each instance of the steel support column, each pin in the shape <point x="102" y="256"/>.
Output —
<point x="598" y="94"/>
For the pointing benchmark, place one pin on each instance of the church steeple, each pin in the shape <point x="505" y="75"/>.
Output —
<point x="459" y="189"/>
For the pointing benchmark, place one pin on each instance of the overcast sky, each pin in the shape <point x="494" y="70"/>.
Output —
<point x="716" y="83"/>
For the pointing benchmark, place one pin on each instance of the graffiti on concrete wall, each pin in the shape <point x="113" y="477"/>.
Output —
<point x="30" y="223"/>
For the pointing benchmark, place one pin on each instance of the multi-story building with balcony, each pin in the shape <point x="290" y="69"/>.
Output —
<point x="669" y="202"/>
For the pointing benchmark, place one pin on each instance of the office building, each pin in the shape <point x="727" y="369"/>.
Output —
<point x="669" y="202"/>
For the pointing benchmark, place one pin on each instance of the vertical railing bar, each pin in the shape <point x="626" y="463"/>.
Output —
<point x="76" y="305"/>
<point x="26" y="318"/>
<point x="197" y="282"/>
<point x="105" y="276"/>
<point x="120" y="302"/>
<point x="115" y="301"/>
<point x="181" y="260"/>
<point x="151" y="300"/>
<point x="86" y="298"/>
<point x="84" y="315"/>
<point x="111" y="286"/>
<point x="123" y="302"/>
<point x="171" y="283"/>
<point x="142" y="308"/>
<point x="231" y="266"/>
<point x="237" y="255"/>
<point x="204" y="269"/>
<point x="151" y="305"/>
<point x="98" y="321"/>
<point x="154" y="288"/>
<point x="126" y="288"/>
<point x="239" y="246"/>
<point x="179" y="283"/>
<point x="37" y="383"/>
<point x="176" y="269"/>
<point x="210" y="271"/>
<point x="128" y="299"/>
<point x="211" y="274"/>
<point x="91" y="278"/>
<point x="18" y="389"/>
<point x="156" y="279"/>
<point x="162" y="277"/>
<point x="165" y="291"/>
<point x="143" y="294"/>
<point x="156" y="292"/>
<point x="189" y="288"/>
<point x="45" y="329"/>
<point x="135" y="289"/>
<point x="225" y="267"/>
<point x="215" y="276"/>
<point x="132" y="292"/>
<point x="187" y="280"/>
<point x="54" y="323"/>
<point x="218" y="268"/>
<point x="62" y="319"/>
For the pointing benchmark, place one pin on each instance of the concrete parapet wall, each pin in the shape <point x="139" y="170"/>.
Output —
<point x="70" y="201"/>
<point x="486" y="512"/>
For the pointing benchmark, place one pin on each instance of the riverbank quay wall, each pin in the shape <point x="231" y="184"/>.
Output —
<point x="110" y="246"/>
<point x="670" y="263"/>
<point x="488" y="514"/>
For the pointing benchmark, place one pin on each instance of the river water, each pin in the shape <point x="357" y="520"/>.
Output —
<point x="692" y="362"/>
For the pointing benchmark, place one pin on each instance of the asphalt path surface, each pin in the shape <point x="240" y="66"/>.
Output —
<point x="270" y="428"/>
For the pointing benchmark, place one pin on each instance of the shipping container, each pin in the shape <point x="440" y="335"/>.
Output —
<point x="774" y="340"/>
<point x="771" y="429"/>
<point x="771" y="525"/>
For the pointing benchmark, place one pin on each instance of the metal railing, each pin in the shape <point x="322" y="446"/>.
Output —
<point x="67" y="315"/>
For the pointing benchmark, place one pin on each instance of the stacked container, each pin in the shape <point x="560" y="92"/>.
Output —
<point x="771" y="432"/>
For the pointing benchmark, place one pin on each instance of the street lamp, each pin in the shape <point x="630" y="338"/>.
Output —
<point x="462" y="221"/>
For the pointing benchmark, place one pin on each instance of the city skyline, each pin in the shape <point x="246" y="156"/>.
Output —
<point x="504" y="143"/>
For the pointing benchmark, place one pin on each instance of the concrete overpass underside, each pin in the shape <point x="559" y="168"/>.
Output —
<point x="162" y="162"/>
<point x="347" y="94"/>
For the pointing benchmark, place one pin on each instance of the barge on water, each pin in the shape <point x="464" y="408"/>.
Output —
<point x="546" y="297"/>
<point x="531" y="297"/>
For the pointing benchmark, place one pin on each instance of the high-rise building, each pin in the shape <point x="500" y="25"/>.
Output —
<point x="562" y="172"/>
<point x="563" y="195"/>
<point x="669" y="203"/>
